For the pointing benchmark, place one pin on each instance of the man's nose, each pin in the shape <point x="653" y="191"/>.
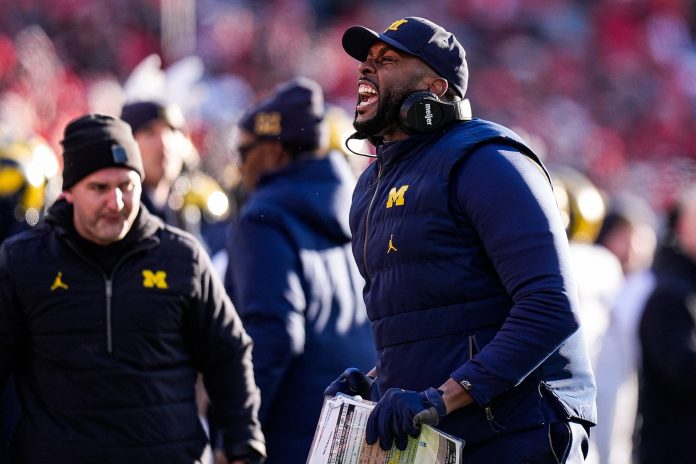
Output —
<point x="115" y="199"/>
<point x="367" y="66"/>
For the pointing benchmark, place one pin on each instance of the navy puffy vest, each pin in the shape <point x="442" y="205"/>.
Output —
<point x="432" y="295"/>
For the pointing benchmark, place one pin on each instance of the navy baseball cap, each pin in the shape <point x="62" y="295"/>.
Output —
<point x="138" y="114"/>
<point x="416" y="36"/>
<point x="293" y="114"/>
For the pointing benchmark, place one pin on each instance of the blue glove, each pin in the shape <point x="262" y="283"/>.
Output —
<point x="352" y="382"/>
<point x="400" y="413"/>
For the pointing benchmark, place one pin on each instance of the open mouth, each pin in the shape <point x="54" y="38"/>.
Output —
<point x="367" y="95"/>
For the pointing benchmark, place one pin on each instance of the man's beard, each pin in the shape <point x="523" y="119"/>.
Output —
<point x="386" y="120"/>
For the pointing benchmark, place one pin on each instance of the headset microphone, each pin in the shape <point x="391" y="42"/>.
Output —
<point x="358" y="136"/>
<point x="422" y="111"/>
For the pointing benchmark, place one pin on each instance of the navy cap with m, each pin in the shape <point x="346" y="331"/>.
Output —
<point x="293" y="114"/>
<point x="420" y="37"/>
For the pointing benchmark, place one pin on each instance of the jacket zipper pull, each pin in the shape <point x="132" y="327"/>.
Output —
<point x="109" y="294"/>
<point x="495" y="426"/>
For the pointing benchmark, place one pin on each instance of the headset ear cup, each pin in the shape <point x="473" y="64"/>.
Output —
<point x="422" y="111"/>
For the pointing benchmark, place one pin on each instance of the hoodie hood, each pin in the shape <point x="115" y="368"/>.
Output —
<point x="315" y="191"/>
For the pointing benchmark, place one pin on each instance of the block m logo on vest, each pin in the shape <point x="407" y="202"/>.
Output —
<point x="396" y="197"/>
<point x="154" y="279"/>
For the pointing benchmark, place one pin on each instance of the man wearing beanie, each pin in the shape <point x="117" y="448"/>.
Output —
<point x="455" y="228"/>
<point x="290" y="272"/>
<point x="107" y="315"/>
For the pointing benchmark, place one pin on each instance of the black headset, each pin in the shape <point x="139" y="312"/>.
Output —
<point x="423" y="111"/>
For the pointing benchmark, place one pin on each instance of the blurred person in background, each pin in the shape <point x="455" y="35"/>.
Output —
<point x="174" y="189"/>
<point x="628" y="233"/>
<point x="617" y="371"/>
<point x="106" y="316"/>
<point x="159" y="131"/>
<point x="597" y="270"/>
<point x="291" y="274"/>
<point x="29" y="181"/>
<point x="468" y="281"/>
<point x="667" y="329"/>
<point x="599" y="278"/>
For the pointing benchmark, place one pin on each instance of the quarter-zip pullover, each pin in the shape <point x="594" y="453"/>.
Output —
<point x="105" y="361"/>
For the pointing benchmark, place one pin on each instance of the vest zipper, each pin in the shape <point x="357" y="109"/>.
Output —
<point x="367" y="219"/>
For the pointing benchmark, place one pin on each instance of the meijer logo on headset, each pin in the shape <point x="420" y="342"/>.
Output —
<point x="428" y="115"/>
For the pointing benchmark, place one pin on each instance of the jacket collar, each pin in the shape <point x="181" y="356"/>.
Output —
<point x="389" y="153"/>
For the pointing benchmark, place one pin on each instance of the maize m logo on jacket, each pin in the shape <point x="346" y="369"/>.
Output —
<point x="396" y="197"/>
<point x="154" y="279"/>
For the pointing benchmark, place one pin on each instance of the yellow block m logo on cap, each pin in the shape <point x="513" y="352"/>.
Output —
<point x="396" y="24"/>
<point x="267" y="124"/>
<point x="396" y="197"/>
<point x="154" y="279"/>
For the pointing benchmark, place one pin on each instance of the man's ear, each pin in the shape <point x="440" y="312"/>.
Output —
<point x="67" y="194"/>
<point x="438" y="86"/>
<point x="275" y="156"/>
<point x="284" y="158"/>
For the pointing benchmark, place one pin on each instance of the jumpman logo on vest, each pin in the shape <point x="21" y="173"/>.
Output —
<point x="58" y="283"/>
<point x="391" y="246"/>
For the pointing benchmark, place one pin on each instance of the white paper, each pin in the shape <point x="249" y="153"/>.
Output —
<point x="340" y="439"/>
